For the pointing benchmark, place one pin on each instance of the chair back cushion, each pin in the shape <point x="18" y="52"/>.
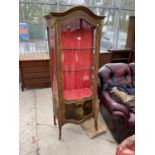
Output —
<point x="113" y="74"/>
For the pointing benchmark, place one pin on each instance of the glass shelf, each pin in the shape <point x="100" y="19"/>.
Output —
<point x="77" y="49"/>
<point x="77" y="70"/>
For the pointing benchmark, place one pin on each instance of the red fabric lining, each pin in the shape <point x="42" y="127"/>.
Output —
<point x="77" y="93"/>
<point x="77" y="53"/>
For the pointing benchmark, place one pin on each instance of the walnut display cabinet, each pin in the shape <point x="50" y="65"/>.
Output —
<point x="74" y="43"/>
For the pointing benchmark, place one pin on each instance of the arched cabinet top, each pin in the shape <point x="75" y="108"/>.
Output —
<point x="76" y="12"/>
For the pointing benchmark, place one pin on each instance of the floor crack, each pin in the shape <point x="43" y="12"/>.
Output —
<point x="35" y="109"/>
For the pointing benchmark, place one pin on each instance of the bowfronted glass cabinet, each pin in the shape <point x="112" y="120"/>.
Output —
<point x="74" y="44"/>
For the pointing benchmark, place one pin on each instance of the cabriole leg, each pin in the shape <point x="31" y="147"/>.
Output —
<point x="96" y="114"/>
<point x="96" y="124"/>
<point x="54" y="118"/>
<point x="60" y="131"/>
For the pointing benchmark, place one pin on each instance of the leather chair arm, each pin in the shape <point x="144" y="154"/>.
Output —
<point x="113" y="105"/>
<point x="120" y="115"/>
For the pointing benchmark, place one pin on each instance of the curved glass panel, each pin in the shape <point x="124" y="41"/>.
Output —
<point x="77" y="52"/>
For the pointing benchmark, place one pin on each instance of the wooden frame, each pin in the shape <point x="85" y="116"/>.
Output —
<point x="55" y="21"/>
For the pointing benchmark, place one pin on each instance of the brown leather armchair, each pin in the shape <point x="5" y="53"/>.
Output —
<point x="120" y="119"/>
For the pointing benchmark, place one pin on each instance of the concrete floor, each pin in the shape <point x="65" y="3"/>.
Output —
<point x="39" y="136"/>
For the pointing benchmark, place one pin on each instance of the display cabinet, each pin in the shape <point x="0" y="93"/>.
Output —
<point x="74" y="43"/>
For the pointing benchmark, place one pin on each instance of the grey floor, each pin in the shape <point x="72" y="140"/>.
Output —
<point x="39" y="136"/>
